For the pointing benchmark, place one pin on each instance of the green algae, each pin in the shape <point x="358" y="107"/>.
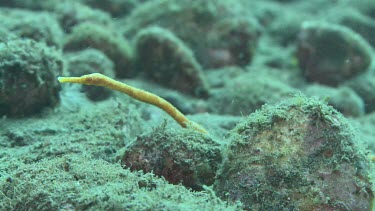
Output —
<point x="80" y="183"/>
<point x="299" y="154"/>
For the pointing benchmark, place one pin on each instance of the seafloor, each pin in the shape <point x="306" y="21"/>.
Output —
<point x="284" y="90"/>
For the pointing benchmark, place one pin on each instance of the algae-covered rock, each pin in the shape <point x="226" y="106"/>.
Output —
<point x="344" y="99"/>
<point x="69" y="13"/>
<point x="39" y="26"/>
<point x="231" y="42"/>
<point x="185" y="157"/>
<point x="6" y="35"/>
<point x="165" y="59"/>
<point x="364" y="86"/>
<point x="116" y="8"/>
<point x="355" y="20"/>
<point x="73" y="13"/>
<point x="219" y="32"/>
<point x="32" y="4"/>
<point x="330" y="54"/>
<point x="89" y="35"/>
<point x="76" y="182"/>
<point x="28" y="72"/>
<point x="284" y="29"/>
<point x="366" y="125"/>
<point x="298" y="155"/>
<point x="245" y="94"/>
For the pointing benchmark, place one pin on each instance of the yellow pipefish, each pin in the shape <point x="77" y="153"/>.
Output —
<point x="97" y="79"/>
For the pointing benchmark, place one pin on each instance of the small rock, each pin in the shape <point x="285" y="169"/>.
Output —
<point x="219" y="32"/>
<point x="165" y="59"/>
<point x="28" y="72"/>
<point x="247" y="93"/>
<point x="38" y="26"/>
<point x="364" y="86"/>
<point x="331" y="54"/>
<point x="185" y="157"/>
<point x="89" y="35"/>
<point x="358" y="22"/>
<point x="298" y="155"/>
<point x="115" y="7"/>
<point x="344" y="99"/>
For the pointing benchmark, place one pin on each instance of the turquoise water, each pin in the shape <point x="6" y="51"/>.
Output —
<point x="212" y="105"/>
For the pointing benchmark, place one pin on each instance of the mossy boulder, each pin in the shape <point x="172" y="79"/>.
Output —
<point x="28" y="72"/>
<point x="185" y="156"/>
<point x="297" y="155"/>
<point x="163" y="58"/>
<point x="38" y="26"/>
<point x="342" y="98"/>
<point x="219" y="32"/>
<point x="331" y="54"/>
<point x="247" y="93"/>
<point x="105" y="39"/>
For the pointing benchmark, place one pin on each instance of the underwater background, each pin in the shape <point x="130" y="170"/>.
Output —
<point x="278" y="96"/>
